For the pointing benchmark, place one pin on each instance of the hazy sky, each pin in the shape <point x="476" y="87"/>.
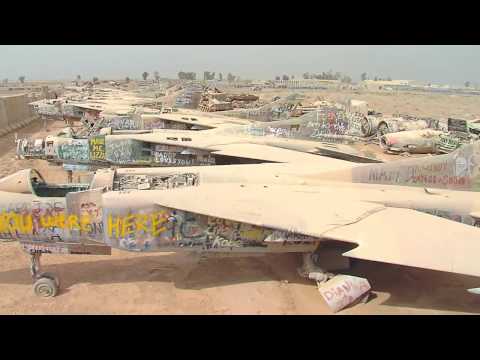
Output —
<point x="452" y="64"/>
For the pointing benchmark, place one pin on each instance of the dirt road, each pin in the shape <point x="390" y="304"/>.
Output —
<point x="177" y="283"/>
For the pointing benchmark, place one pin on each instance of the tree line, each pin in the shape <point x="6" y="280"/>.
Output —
<point x="364" y="76"/>
<point x="20" y="78"/>
<point x="207" y="75"/>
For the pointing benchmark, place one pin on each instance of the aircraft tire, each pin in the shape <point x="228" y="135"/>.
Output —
<point x="45" y="287"/>
<point x="51" y="276"/>
<point x="382" y="129"/>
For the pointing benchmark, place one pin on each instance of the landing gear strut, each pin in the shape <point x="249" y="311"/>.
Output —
<point x="311" y="270"/>
<point x="45" y="284"/>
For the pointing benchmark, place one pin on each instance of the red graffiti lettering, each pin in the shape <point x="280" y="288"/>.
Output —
<point x="329" y="295"/>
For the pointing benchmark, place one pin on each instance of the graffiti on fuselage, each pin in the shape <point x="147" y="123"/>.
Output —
<point x="125" y="151"/>
<point x="154" y="229"/>
<point x="122" y="122"/>
<point x="457" y="171"/>
<point x="116" y="151"/>
<point x="151" y="230"/>
<point x="168" y="155"/>
<point x="74" y="149"/>
<point x="48" y="221"/>
<point x="154" y="182"/>
<point x="97" y="148"/>
<point x="326" y="124"/>
<point x="21" y="220"/>
<point x="31" y="146"/>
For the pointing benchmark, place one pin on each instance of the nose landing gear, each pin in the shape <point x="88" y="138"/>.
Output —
<point x="45" y="284"/>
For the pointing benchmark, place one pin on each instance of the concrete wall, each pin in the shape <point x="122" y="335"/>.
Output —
<point x="14" y="113"/>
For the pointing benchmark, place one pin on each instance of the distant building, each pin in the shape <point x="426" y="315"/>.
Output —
<point x="307" y="84"/>
<point x="373" y="85"/>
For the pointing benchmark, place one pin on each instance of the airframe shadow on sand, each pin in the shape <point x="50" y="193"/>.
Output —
<point x="408" y="287"/>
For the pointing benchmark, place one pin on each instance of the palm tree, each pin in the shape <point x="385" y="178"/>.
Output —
<point x="21" y="79"/>
<point x="95" y="79"/>
<point x="157" y="76"/>
<point x="127" y="79"/>
<point x="145" y="75"/>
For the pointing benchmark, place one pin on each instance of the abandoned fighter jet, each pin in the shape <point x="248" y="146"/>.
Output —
<point x="279" y="109"/>
<point x="300" y="205"/>
<point x="229" y="142"/>
<point x="147" y="119"/>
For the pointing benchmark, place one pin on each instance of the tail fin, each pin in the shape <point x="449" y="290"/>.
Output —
<point x="459" y="170"/>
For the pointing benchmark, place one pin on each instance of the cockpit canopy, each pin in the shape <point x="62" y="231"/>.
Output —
<point x="29" y="181"/>
<point x="21" y="181"/>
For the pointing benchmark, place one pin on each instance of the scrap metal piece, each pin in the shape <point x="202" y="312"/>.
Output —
<point x="414" y="141"/>
<point x="381" y="125"/>
<point x="343" y="290"/>
<point x="475" y="291"/>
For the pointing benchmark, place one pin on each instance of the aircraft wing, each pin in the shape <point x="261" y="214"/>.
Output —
<point x="267" y="206"/>
<point x="226" y="145"/>
<point x="263" y="152"/>
<point x="204" y="120"/>
<point x="385" y="234"/>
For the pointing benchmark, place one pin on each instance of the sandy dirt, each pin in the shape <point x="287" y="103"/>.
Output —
<point x="441" y="106"/>
<point x="178" y="283"/>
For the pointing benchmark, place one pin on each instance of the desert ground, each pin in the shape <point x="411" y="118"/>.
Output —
<point x="436" y="105"/>
<point x="181" y="283"/>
